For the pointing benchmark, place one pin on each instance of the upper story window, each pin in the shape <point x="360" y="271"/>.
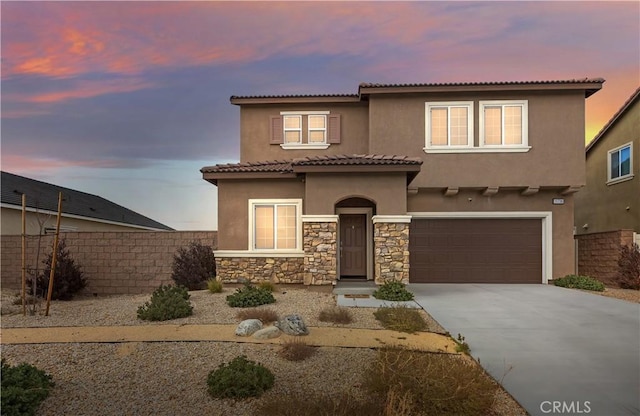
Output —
<point x="275" y="224"/>
<point x="305" y="129"/>
<point x="503" y="124"/>
<point x="449" y="125"/>
<point x="619" y="164"/>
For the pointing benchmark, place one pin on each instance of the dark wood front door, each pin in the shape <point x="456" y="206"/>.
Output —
<point x="353" y="245"/>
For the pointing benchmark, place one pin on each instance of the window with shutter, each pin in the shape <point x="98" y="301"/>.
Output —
<point x="310" y="130"/>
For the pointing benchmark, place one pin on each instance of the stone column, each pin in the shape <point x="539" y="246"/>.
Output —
<point x="320" y="249"/>
<point x="391" y="248"/>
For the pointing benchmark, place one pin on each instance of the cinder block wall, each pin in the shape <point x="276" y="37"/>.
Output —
<point x="598" y="254"/>
<point x="113" y="262"/>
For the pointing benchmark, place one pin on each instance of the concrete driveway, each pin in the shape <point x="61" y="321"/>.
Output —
<point x="558" y="351"/>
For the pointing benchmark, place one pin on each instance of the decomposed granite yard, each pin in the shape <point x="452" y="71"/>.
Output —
<point x="169" y="378"/>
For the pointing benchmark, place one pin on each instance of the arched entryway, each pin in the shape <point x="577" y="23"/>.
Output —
<point x="355" y="238"/>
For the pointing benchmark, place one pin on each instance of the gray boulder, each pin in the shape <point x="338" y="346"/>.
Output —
<point x="248" y="327"/>
<point x="292" y="325"/>
<point x="267" y="333"/>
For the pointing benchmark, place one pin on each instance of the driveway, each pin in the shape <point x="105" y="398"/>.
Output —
<point x="556" y="350"/>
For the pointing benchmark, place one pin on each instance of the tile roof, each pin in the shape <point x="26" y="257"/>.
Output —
<point x="281" y="166"/>
<point x="633" y="98"/>
<point x="44" y="196"/>
<point x="244" y="97"/>
<point x="487" y="83"/>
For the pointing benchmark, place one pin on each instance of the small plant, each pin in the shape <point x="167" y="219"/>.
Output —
<point x="393" y="291"/>
<point x="401" y="319"/>
<point x="249" y="296"/>
<point x="68" y="278"/>
<point x="302" y="403"/>
<point x="240" y="378"/>
<point x="193" y="266"/>
<point x="580" y="282"/>
<point x="267" y="285"/>
<point x="336" y="314"/>
<point x="461" y="345"/>
<point x="24" y="387"/>
<point x="265" y="315"/>
<point x="628" y="276"/>
<point x="214" y="285"/>
<point x="167" y="302"/>
<point x="296" y="350"/>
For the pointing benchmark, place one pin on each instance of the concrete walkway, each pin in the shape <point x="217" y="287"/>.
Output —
<point x="560" y="351"/>
<point x="318" y="336"/>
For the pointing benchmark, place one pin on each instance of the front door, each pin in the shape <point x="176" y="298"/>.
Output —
<point x="353" y="245"/>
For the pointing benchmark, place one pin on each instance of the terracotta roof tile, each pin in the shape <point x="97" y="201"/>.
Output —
<point x="489" y="83"/>
<point x="238" y="97"/>
<point x="332" y="160"/>
<point x="281" y="166"/>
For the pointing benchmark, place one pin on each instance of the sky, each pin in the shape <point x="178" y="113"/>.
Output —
<point x="128" y="100"/>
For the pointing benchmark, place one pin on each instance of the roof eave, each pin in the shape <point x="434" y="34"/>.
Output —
<point x="294" y="99"/>
<point x="355" y="168"/>
<point x="214" y="177"/>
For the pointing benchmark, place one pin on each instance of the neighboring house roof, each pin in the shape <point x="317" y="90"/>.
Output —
<point x="589" y="85"/>
<point x="634" y="98"/>
<point x="44" y="197"/>
<point x="328" y="163"/>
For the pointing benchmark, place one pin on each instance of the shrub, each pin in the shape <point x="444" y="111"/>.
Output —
<point x="68" y="278"/>
<point x="214" y="286"/>
<point x="336" y="314"/>
<point x="401" y="319"/>
<point x="579" y="282"/>
<point x="249" y="296"/>
<point x="296" y="350"/>
<point x="298" y="403"/>
<point x="461" y="345"/>
<point x="24" y="387"/>
<point x="394" y="291"/>
<point x="267" y="285"/>
<point x="430" y="384"/>
<point x="628" y="276"/>
<point x="240" y="378"/>
<point x="265" y="315"/>
<point x="193" y="265"/>
<point x="167" y="302"/>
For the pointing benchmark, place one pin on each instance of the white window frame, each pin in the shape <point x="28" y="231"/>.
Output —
<point x="275" y="202"/>
<point x="622" y="178"/>
<point x="309" y="129"/>
<point x="285" y="129"/>
<point x="301" y="144"/>
<point x="524" y="105"/>
<point x="430" y="148"/>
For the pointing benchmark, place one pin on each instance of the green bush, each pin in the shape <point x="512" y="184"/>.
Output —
<point x="240" y="378"/>
<point x="24" y="387"/>
<point x="249" y="296"/>
<point x="193" y="266"/>
<point x="214" y="286"/>
<point x="68" y="278"/>
<point x="394" y="291"/>
<point x="579" y="282"/>
<point x="167" y="302"/>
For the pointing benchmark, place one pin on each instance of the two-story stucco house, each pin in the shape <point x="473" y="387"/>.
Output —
<point x="458" y="182"/>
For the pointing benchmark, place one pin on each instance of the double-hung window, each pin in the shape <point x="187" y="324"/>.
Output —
<point x="308" y="129"/>
<point x="504" y="124"/>
<point x="275" y="224"/>
<point x="449" y="125"/>
<point x="292" y="129"/>
<point x="619" y="163"/>
<point x="317" y="128"/>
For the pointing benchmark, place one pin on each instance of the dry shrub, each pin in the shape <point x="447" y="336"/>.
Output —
<point x="420" y="383"/>
<point x="267" y="285"/>
<point x="265" y="315"/>
<point x="298" y="404"/>
<point x="628" y="276"/>
<point x="336" y="314"/>
<point x="401" y="319"/>
<point x="296" y="349"/>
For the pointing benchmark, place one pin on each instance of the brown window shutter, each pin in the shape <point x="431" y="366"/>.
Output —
<point x="277" y="132"/>
<point x="333" y="129"/>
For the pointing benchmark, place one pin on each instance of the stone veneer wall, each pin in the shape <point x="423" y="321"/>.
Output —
<point x="391" y="242"/>
<point x="258" y="269"/>
<point x="320" y="251"/>
<point x="598" y="254"/>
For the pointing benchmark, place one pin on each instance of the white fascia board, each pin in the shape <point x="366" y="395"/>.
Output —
<point x="391" y="218"/>
<point x="319" y="218"/>
<point x="248" y="254"/>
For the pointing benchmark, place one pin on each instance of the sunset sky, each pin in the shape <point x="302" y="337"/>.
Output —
<point x="128" y="100"/>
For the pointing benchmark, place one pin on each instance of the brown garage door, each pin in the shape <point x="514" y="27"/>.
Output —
<point x="475" y="251"/>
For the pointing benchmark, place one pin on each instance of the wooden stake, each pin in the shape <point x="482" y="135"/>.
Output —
<point x="24" y="260"/>
<point x="54" y="255"/>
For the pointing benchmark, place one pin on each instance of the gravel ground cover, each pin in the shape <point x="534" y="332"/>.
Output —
<point x="169" y="378"/>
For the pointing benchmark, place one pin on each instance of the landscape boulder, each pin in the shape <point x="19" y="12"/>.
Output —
<point x="267" y="333"/>
<point x="248" y="327"/>
<point x="292" y="325"/>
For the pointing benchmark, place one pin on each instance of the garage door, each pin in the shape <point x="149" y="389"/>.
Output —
<point x="475" y="251"/>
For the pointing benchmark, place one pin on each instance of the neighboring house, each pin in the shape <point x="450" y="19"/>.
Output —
<point x="80" y="211"/>
<point x="459" y="182"/>
<point x="611" y="198"/>
<point x="607" y="214"/>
